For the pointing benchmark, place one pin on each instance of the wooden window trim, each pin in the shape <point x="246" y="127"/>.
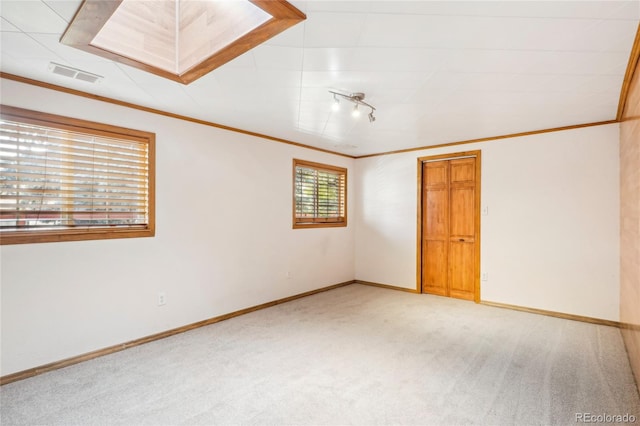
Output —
<point x="318" y="222"/>
<point x="98" y="129"/>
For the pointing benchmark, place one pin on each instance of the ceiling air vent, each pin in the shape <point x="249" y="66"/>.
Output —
<point x="74" y="73"/>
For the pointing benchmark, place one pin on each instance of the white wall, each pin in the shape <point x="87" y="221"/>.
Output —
<point x="63" y="299"/>
<point x="550" y="240"/>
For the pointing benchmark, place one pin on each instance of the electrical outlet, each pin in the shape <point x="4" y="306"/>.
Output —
<point x="289" y="275"/>
<point x="162" y="299"/>
<point x="485" y="211"/>
<point x="485" y="276"/>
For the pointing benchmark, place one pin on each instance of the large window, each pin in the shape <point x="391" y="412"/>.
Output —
<point x="63" y="179"/>
<point x="319" y="195"/>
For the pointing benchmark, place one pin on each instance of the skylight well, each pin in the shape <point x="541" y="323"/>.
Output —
<point x="178" y="39"/>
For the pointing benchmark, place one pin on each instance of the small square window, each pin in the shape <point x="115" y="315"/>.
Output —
<point x="319" y="195"/>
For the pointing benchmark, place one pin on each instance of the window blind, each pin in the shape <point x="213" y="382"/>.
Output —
<point x="53" y="178"/>
<point x="319" y="195"/>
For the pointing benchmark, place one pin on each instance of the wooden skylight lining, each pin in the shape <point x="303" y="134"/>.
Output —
<point x="177" y="39"/>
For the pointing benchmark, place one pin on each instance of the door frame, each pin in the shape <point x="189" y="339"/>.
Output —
<point x="452" y="156"/>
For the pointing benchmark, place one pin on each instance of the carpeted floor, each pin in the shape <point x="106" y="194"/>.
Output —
<point x="354" y="355"/>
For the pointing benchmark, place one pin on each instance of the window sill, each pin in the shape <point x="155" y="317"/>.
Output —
<point x="34" y="237"/>
<point x="320" y="225"/>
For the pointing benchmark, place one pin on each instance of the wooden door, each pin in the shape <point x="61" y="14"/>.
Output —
<point x="449" y="228"/>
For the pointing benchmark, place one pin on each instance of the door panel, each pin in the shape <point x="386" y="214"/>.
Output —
<point x="463" y="170"/>
<point x="461" y="270"/>
<point x="435" y="267"/>
<point x="436" y="213"/>
<point x="462" y="211"/>
<point x="435" y="174"/>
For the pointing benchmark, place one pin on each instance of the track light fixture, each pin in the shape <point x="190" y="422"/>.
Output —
<point x="358" y="99"/>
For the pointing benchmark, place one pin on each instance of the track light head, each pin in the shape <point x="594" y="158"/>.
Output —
<point x="371" y="117"/>
<point x="356" y="111"/>
<point x="336" y="103"/>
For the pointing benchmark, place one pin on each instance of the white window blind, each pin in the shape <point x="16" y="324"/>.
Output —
<point x="320" y="193"/>
<point x="53" y="178"/>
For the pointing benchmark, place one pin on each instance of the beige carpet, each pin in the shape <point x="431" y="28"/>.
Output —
<point x="355" y="355"/>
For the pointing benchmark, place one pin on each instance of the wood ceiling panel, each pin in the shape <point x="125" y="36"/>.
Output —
<point x="144" y="31"/>
<point x="207" y="27"/>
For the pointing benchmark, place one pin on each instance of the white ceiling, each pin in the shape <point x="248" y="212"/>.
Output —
<point x="437" y="72"/>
